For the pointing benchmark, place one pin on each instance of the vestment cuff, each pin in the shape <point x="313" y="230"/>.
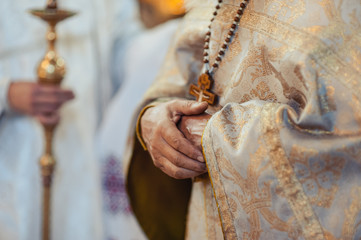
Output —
<point x="138" y="129"/>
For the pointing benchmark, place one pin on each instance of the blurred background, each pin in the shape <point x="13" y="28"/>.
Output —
<point x="113" y="50"/>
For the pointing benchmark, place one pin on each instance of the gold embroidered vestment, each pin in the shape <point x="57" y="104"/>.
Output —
<point x="283" y="147"/>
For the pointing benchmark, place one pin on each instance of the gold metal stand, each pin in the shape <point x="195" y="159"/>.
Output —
<point x="51" y="71"/>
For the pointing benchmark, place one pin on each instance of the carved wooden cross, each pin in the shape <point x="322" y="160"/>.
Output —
<point x="201" y="91"/>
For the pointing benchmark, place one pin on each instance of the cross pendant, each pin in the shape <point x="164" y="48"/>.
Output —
<point x="201" y="91"/>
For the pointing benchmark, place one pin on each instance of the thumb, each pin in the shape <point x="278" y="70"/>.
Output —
<point x="187" y="107"/>
<point x="65" y="95"/>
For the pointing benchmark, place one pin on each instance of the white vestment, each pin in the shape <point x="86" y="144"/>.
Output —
<point x="83" y="41"/>
<point x="143" y="58"/>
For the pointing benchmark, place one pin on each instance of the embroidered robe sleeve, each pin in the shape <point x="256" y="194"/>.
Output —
<point x="292" y="170"/>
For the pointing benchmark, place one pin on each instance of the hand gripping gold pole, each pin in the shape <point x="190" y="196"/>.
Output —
<point x="51" y="71"/>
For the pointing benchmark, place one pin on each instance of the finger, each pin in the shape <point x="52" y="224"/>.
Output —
<point x="65" y="94"/>
<point x="49" y="119"/>
<point x="52" y="99"/>
<point x="49" y="100"/>
<point x="55" y="91"/>
<point x="46" y="108"/>
<point x="47" y="104"/>
<point x="173" y="171"/>
<point x="179" y="159"/>
<point x="176" y="139"/>
<point x="187" y="107"/>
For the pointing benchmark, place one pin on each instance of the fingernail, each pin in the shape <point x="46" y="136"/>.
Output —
<point x="200" y="158"/>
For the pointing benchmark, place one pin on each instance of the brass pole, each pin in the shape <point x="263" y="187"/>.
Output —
<point x="51" y="71"/>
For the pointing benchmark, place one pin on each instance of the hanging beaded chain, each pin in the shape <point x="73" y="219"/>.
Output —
<point x="202" y="90"/>
<point x="229" y="37"/>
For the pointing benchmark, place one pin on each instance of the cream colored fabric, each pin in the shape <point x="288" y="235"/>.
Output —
<point x="83" y="41"/>
<point x="283" y="145"/>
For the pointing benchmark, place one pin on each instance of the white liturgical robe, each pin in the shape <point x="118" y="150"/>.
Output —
<point x="83" y="41"/>
<point x="141" y="67"/>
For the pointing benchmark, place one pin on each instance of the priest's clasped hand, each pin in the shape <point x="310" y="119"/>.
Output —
<point x="42" y="102"/>
<point x="177" y="154"/>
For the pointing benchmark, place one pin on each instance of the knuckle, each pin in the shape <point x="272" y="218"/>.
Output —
<point x="177" y="160"/>
<point x="188" y="104"/>
<point x="156" y="163"/>
<point x="178" y="174"/>
<point x="201" y="168"/>
<point x="176" y="141"/>
<point x="159" y="165"/>
<point x="159" y="128"/>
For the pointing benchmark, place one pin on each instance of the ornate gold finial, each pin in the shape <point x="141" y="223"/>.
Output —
<point x="51" y="71"/>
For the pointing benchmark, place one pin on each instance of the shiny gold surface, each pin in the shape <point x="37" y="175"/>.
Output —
<point x="51" y="71"/>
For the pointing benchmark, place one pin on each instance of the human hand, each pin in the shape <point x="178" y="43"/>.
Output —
<point x="39" y="101"/>
<point x="169" y="149"/>
<point x="192" y="128"/>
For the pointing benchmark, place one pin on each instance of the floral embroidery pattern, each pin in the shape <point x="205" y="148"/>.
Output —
<point x="318" y="173"/>
<point x="114" y="193"/>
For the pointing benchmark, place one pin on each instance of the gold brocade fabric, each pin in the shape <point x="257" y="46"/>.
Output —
<point x="283" y="147"/>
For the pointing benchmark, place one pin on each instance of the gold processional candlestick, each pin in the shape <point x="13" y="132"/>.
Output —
<point x="51" y="71"/>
